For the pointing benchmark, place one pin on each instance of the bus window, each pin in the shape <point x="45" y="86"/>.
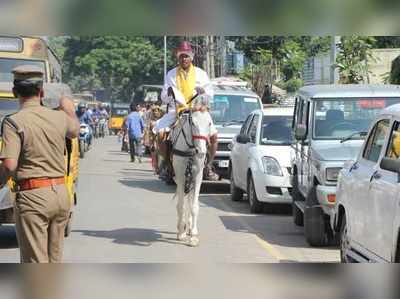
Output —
<point x="7" y="65"/>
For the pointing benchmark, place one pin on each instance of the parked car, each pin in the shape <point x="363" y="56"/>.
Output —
<point x="368" y="199"/>
<point x="330" y="124"/>
<point x="261" y="157"/>
<point x="229" y="109"/>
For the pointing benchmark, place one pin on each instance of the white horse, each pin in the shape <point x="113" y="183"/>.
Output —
<point x="189" y="140"/>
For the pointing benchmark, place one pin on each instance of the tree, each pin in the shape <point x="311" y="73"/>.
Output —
<point x="288" y="55"/>
<point x="118" y="64"/>
<point x="352" y="60"/>
<point x="394" y="77"/>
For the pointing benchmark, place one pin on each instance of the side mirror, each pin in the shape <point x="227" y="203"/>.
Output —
<point x="243" y="139"/>
<point x="392" y="165"/>
<point x="300" y="132"/>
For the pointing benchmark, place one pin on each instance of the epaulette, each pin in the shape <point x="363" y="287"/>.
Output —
<point x="13" y="124"/>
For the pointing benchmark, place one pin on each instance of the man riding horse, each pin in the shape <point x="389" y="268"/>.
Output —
<point x="189" y="80"/>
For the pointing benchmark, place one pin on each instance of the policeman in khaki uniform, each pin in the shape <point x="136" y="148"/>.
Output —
<point x="33" y="153"/>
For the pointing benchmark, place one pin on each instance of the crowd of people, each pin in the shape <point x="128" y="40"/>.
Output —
<point x="138" y="135"/>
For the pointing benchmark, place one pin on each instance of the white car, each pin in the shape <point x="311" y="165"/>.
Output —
<point x="367" y="211"/>
<point x="261" y="157"/>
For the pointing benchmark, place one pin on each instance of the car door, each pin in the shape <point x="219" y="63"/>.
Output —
<point x="361" y="172"/>
<point x="238" y="152"/>
<point x="382" y="202"/>
<point x="304" y="164"/>
<point x="246" y="154"/>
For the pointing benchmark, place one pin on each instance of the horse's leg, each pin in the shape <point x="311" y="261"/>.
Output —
<point x="194" y="202"/>
<point x="180" y="193"/>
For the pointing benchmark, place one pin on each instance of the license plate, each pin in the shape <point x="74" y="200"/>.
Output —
<point x="223" y="164"/>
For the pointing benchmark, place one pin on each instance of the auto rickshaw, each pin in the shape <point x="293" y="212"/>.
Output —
<point x="8" y="105"/>
<point x="118" y="113"/>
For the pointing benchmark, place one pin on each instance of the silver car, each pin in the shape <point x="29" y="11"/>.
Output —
<point x="229" y="109"/>
<point x="330" y="124"/>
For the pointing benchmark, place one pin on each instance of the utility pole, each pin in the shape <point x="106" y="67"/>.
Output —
<point x="212" y="57"/>
<point x="165" y="57"/>
<point x="334" y="72"/>
<point x="223" y="55"/>
<point x="207" y="49"/>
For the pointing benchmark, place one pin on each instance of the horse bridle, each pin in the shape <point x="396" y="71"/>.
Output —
<point x="192" y="149"/>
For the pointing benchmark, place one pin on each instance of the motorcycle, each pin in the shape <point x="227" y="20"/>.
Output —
<point x="84" y="140"/>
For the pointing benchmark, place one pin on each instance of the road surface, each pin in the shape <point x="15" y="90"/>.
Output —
<point x="125" y="214"/>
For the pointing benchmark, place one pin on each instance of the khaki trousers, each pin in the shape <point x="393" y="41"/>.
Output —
<point x="41" y="217"/>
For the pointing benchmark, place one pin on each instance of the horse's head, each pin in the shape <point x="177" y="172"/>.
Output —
<point x="201" y="130"/>
<point x="192" y="132"/>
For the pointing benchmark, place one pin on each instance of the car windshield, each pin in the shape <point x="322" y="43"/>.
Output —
<point x="120" y="112"/>
<point x="7" y="107"/>
<point x="338" y="118"/>
<point x="226" y="109"/>
<point x="276" y="130"/>
<point x="7" y="65"/>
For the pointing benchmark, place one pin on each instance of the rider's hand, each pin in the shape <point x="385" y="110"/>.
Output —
<point x="200" y="90"/>
<point x="170" y="91"/>
<point x="67" y="106"/>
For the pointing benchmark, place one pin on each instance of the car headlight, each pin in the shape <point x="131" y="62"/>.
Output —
<point x="271" y="166"/>
<point x="332" y="174"/>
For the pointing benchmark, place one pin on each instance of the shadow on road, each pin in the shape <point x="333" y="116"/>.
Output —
<point x="278" y="230"/>
<point x="149" y="184"/>
<point x="214" y="188"/>
<point x="8" y="237"/>
<point x="132" y="236"/>
<point x="224" y="203"/>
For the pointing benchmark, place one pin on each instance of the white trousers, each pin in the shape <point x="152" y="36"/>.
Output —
<point x="165" y="122"/>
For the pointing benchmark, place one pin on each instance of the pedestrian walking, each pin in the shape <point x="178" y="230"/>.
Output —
<point x="135" y="126"/>
<point x="33" y="153"/>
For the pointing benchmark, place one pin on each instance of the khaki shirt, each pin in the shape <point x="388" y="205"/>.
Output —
<point x="42" y="152"/>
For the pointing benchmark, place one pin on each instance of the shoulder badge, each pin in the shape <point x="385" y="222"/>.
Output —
<point x="13" y="124"/>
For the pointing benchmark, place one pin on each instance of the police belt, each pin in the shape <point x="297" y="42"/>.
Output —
<point x="36" y="183"/>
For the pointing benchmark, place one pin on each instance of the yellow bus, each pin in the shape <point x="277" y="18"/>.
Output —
<point x="28" y="50"/>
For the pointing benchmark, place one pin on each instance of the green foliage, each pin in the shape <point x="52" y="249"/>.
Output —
<point x="292" y="85"/>
<point x="117" y="64"/>
<point x="352" y="60"/>
<point x="293" y="59"/>
<point x="287" y="55"/>
<point x="57" y="43"/>
<point x="394" y="77"/>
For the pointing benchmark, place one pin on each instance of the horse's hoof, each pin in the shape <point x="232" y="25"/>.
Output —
<point x="194" y="241"/>
<point x="181" y="237"/>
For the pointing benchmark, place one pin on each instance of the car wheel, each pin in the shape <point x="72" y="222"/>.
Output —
<point x="296" y="194"/>
<point x="236" y="193"/>
<point x="314" y="221"/>
<point x="255" y="205"/>
<point x="298" y="217"/>
<point x="344" y="242"/>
